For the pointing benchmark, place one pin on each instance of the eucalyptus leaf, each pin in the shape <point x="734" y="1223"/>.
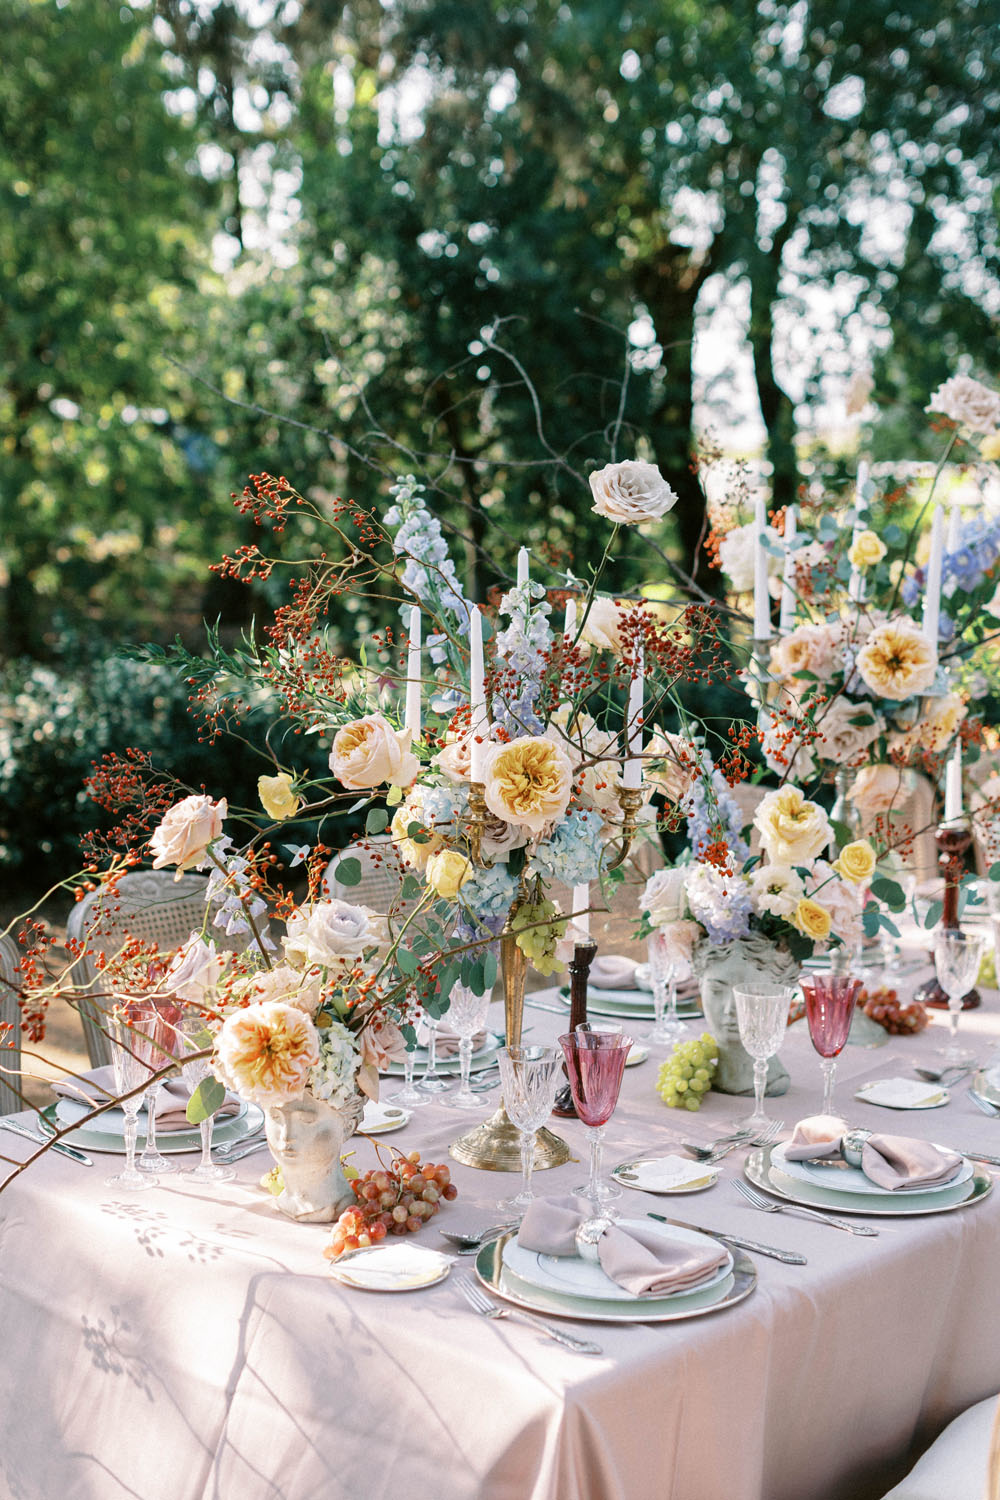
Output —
<point x="208" y="1097"/>
<point x="889" y="891"/>
<point x="377" y="821"/>
<point x="348" y="872"/>
<point x="933" y="916"/>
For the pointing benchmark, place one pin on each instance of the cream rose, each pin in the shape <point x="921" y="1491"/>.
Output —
<point x="265" y="1053"/>
<point x="897" y="661"/>
<point x="630" y="493"/>
<point x="856" y="862"/>
<point x="670" y="762"/>
<point x="602" y="628"/>
<point x="808" y="648"/>
<point x="935" y="729"/>
<point x="737" y="551"/>
<point x="528" y="782"/>
<point x="875" y="789"/>
<point x="287" y="986"/>
<point x="859" y="388"/>
<point x="846" y="730"/>
<point x="663" y="898"/>
<point x="866" y="550"/>
<point x="968" y="402"/>
<point x="446" y="873"/>
<point x="775" y="890"/>
<point x="277" y="797"/>
<point x="187" y="829"/>
<point x="455" y="760"/>
<point x="369" y="752"/>
<point x="332" y="935"/>
<point x="792" y="829"/>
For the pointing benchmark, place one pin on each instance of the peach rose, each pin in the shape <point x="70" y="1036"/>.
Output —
<point x="455" y="760"/>
<point x="528" y="782"/>
<point x="630" y="493"/>
<point x="187" y="829"/>
<point x="265" y="1053"/>
<point x="875" y="789"/>
<point x="936" y="727"/>
<point x="414" y="852"/>
<point x="792" y="829"/>
<point x="808" y="648"/>
<point x="670" y="764"/>
<point x="897" y="660"/>
<point x="369" y="752"/>
<point x="287" y="986"/>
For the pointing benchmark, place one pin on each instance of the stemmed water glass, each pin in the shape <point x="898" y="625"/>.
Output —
<point x="957" y="956"/>
<point x="595" y="1063"/>
<point x="194" y="1036"/>
<point x="762" y="1014"/>
<point x="132" y="1057"/>
<point x="830" y="1001"/>
<point x="530" y="1077"/>
<point x="467" y="1013"/>
<point x="161" y="1025"/>
<point x="432" y="1082"/>
<point x="663" y="972"/>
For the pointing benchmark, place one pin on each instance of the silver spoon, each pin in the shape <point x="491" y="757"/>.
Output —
<point x="938" y="1075"/>
<point x="472" y="1239"/>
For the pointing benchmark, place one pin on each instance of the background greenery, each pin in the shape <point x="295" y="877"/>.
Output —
<point x="470" y="239"/>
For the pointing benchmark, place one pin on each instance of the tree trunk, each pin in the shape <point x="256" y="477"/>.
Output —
<point x="775" y="406"/>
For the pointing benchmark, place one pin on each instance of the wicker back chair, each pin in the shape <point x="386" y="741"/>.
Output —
<point x="10" y="1014"/>
<point x="149" y="905"/>
<point x="381" y="875"/>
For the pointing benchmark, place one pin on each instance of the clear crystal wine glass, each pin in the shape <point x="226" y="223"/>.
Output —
<point x="530" y="1077"/>
<point x="194" y="1037"/>
<point x="595" y="1063"/>
<point x="467" y="1013"/>
<point x="432" y="1081"/>
<point x="957" y="956"/>
<point x="762" y="1015"/>
<point x="830" y="1001"/>
<point x="664" y="973"/>
<point x="131" y="1058"/>
<point x="165" y="1014"/>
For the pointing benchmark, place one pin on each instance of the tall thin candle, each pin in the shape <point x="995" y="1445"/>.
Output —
<point x="632" y="773"/>
<point x="761" y="597"/>
<point x="787" y="617"/>
<point x="522" y="567"/>
<point x="932" y="593"/>
<point x="478" y="722"/>
<point x="953" y="784"/>
<point x="856" y="585"/>
<point x="569" y="621"/>
<point x="581" y="902"/>
<point x="413" y="675"/>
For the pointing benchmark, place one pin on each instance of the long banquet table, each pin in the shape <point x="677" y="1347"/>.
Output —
<point x="188" y="1342"/>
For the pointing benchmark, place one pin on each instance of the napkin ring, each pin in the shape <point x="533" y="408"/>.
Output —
<point x="589" y="1234"/>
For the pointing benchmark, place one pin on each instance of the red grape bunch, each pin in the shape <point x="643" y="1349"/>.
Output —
<point x="393" y="1199"/>
<point x="899" y="1020"/>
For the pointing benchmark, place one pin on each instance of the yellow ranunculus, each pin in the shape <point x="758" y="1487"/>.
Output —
<point x="446" y="873"/>
<point x="528" y="782"/>
<point x="812" y="920"/>
<point x="276" y="796"/>
<point x="866" y="550"/>
<point x="897" y="660"/>
<point x="856" y="862"/>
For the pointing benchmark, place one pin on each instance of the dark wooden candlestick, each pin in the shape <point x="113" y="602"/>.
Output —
<point x="583" y="956"/>
<point x="953" y="840"/>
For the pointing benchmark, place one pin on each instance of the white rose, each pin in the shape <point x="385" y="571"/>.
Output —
<point x="783" y="746"/>
<point x="630" y="493"/>
<point x="194" y="970"/>
<point x="792" y="829"/>
<point x="968" y="402"/>
<point x="775" y="890"/>
<point x="663" y="899"/>
<point x="286" y="986"/>
<point x="602" y="628"/>
<point x="736" y="555"/>
<point x="331" y="935"/>
<point x="841" y="739"/>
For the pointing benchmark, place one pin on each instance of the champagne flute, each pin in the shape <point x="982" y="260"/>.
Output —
<point x="595" y="1063"/>
<point x="663" y="971"/>
<point x="830" y="1001"/>
<point x="163" y="1023"/>
<point x="957" y="956"/>
<point x="762" y="1015"/>
<point x="131" y="1056"/>
<point x="467" y="1014"/>
<point x="530" y="1078"/>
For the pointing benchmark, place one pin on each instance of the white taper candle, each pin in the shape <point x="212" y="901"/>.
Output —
<point x="761" y="597"/>
<point x="856" y="585"/>
<point x="478" y="722"/>
<point x="953" y="784"/>
<point x="413" y="675"/>
<point x="632" y="774"/>
<point x="932" y="591"/>
<point x="522" y="567"/>
<point x="787" y="618"/>
<point x="581" y="901"/>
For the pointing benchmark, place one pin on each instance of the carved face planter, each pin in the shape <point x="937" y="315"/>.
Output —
<point x="721" y="969"/>
<point x="306" y="1138"/>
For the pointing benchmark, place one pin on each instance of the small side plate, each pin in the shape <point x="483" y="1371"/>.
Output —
<point x="391" y="1268"/>
<point x="932" y="1098"/>
<point x="651" y="1174"/>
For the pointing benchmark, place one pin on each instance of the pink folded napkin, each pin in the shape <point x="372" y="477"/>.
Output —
<point x="97" y="1086"/>
<point x="890" y="1161"/>
<point x="641" y="1261"/>
<point x="447" y="1039"/>
<point x="612" y="971"/>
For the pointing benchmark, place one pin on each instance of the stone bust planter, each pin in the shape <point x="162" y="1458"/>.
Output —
<point x="306" y="1138"/>
<point x="722" y="968"/>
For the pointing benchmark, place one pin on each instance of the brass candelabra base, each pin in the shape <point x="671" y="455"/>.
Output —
<point x="953" y="840"/>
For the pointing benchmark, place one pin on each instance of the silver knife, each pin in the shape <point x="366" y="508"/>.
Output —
<point x="789" y="1257"/>
<point x="40" y="1140"/>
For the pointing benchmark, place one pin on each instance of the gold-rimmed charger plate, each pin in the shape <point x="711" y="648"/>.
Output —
<point x="758" y="1171"/>
<point x="501" y="1280"/>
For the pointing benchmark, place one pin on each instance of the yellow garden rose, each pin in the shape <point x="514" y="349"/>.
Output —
<point x="413" y="852"/>
<point x="989" y="448"/>
<point x="276" y="796"/>
<point x="792" y="829"/>
<point x="528" y="782"/>
<point x="812" y="920"/>
<point x="866" y="550"/>
<point x="446" y="873"/>
<point x="856" y="862"/>
<point x="897" y="660"/>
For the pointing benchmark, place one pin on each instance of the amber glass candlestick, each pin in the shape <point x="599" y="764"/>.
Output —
<point x="953" y="839"/>
<point x="579" y="969"/>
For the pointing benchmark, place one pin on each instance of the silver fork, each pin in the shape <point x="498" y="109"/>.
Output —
<point x="243" y="1147"/>
<point x="986" y="1105"/>
<point x="768" y="1206"/>
<point x="767" y="1137"/>
<point x="480" y="1303"/>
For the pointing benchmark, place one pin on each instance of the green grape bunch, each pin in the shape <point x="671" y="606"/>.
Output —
<point x="539" y="927"/>
<point x="687" y="1074"/>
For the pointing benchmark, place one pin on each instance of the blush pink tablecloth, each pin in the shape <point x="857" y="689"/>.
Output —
<point x="188" y="1343"/>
